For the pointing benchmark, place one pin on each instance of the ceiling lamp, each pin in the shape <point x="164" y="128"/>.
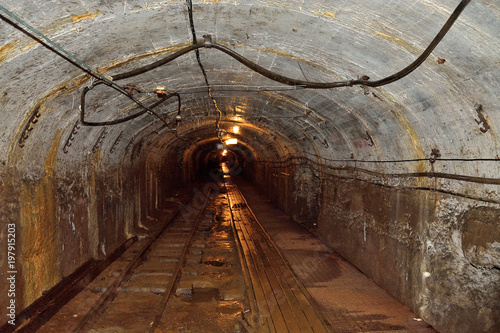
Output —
<point x="231" y="141"/>
<point x="236" y="129"/>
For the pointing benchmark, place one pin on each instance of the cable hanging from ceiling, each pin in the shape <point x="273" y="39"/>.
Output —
<point x="208" y="43"/>
<point x="33" y="33"/>
<point x="197" y="51"/>
<point x="364" y="81"/>
<point x="163" y="98"/>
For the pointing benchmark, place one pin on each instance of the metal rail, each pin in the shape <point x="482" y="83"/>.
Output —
<point x="110" y="294"/>
<point x="170" y="286"/>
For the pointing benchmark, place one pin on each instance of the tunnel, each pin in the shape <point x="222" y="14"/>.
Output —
<point x="373" y="124"/>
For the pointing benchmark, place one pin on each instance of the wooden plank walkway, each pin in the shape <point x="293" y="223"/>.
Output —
<point x="282" y="302"/>
<point x="350" y="301"/>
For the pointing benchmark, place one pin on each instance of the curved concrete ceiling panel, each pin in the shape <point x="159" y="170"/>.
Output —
<point x="448" y="103"/>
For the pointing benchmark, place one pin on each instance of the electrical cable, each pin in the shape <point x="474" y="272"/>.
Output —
<point x="195" y="41"/>
<point x="124" y="119"/>
<point x="482" y="180"/>
<point x="305" y="84"/>
<point x="337" y="176"/>
<point x="408" y="160"/>
<point x="45" y="41"/>
<point x="57" y="49"/>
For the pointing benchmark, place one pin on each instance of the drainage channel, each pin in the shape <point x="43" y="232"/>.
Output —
<point x="185" y="279"/>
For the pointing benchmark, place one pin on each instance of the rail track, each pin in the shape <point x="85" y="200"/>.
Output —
<point x="216" y="259"/>
<point x="150" y="276"/>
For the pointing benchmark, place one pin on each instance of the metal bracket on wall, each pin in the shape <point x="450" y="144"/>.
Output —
<point x="99" y="141"/>
<point x="71" y="136"/>
<point x="434" y="155"/>
<point x="137" y="152"/>
<point x="482" y="119"/>
<point x="131" y="142"/>
<point x="29" y="126"/>
<point x="369" y="139"/>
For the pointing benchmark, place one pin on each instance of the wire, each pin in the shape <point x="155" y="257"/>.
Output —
<point x="45" y="41"/>
<point x="124" y="119"/>
<point x="305" y="84"/>
<point x="408" y="160"/>
<point x="482" y="180"/>
<point x="57" y="49"/>
<point x="195" y="41"/>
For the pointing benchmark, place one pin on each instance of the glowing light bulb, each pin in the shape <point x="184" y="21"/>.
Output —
<point x="236" y="129"/>
<point x="231" y="141"/>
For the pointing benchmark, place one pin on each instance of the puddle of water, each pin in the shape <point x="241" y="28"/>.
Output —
<point x="215" y="263"/>
<point x="202" y="295"/>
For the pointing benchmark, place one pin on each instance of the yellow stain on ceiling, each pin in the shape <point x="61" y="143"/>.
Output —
<point x="85" y="16"/>
<point x="321" y="12"/>
<point x="287" y="55"/>
<point x="40" y="229"/>
<point x="286" y="100"/>
<point x="27" y="43"/>
<point x="4" y="50"/>
<point x="279" y="4"/>
<point x="404" y="44"/>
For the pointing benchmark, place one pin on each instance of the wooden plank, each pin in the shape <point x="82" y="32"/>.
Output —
<point x="303" y="304"/>
<point x="280" y="291"/>
<point x="280" y="270"/>
<point x="302" y="295"/>
<point x="272" y="302"/>
<point x="257" y="287"/>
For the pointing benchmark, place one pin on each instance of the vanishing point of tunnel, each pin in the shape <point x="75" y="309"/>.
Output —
<point x="286" y="140"/>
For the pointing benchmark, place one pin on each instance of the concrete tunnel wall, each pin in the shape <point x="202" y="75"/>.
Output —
<point x="352" y="164"/>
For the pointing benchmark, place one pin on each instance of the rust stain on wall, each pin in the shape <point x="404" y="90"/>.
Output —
<point x="93" y="227"/>
<point x="40" y="260"/>
<point x="27" y="43"/>
<point x="286" y="100"/>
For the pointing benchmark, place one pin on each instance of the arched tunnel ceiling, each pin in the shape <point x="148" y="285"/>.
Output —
<point x="440" y="105"/>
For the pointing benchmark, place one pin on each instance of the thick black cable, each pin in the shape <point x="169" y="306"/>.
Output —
<point x="55" y="48"/>
<point x="305" y="84"/>
<point x="407" y="160"/>
<point x="195" y="41"/>
<point x="481" y="180"/>
<point x="208" y="44"/>
<point x="124" y="119"/>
